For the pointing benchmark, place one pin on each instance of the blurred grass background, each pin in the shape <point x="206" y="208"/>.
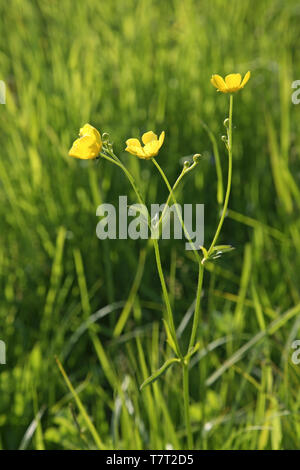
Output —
<point x="127" y="67"/>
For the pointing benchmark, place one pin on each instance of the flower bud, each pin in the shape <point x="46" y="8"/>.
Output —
<point x="226" y="123"/>
<point x="196" y="157"/>
<point x="186" y="164"/>
<point x="105" y="137"/>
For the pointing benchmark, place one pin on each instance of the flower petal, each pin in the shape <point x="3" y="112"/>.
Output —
<point x="151" y="149"/>
<point x="219" y="83"/>
<point x="85" y="147"/>
<point x="133" y="143"/>
<point x="233" y="81"/>
<point x="246" y="79"/>
<point x="135" y="150"/>
<point x="87" y="129"/>
<point x="148" y="137"/>
<point x="161" y="138"/>
<point x="213" y="81"/>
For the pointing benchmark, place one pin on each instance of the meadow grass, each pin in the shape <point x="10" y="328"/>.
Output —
<point x="127" y="67"/>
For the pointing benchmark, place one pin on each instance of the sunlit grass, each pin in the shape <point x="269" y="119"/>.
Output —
<point x="127" y="68"/>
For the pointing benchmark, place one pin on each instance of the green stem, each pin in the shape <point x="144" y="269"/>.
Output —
<point x="166" y="298"/>
<point x="186" y="394"/>
<point x="185" y="370"/>
<point x="200" y="275"/>
<point x="220" y="190"/>
<point x="117" y="162"/>
<point x="170" y="189"/>
<point x="171" y="195"/>
<point x="228" y="181"/>
<point x="197" y="306"/>
<point x="200" y="280"/>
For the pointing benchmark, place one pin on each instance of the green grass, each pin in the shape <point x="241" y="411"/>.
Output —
<point x="127" y="67"/>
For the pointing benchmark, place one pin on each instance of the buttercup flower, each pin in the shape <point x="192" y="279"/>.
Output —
<point x="151" y="145"/>
<point x="232" y="82"/>
<point x="89" y="144"/>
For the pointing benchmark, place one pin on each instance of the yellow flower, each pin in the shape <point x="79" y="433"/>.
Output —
<point x="89" y="145"/>
<point x="232" y="82"/>
<point x="151" y="145"/>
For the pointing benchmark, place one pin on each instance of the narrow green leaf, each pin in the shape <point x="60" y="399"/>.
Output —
<point x="193" y="350"/>
<point x="159" y="372"/>
<point x="170" y="340"/>
<point x="219" y="250"/>
<point x="223" y="248"/>
<point x="81" y="408"/>
<point x="204" y="251"/>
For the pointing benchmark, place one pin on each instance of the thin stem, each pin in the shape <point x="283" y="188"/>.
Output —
<point x="200" y="280"/>
<point x="197" y="306"/>
<point x="171" y="195"/>
<point x="201" y="269"/>
<point x="117" y="162"/>
<point x="185" y="370"/>
<point x="186" y="394"/>
<point x="166" y="298"/>
<point x="220" y="191"/>
<point x="229" y="178"/>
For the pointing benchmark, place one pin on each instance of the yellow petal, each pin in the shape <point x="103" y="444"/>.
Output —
<point x="135" y="150"/>
<point x="133" y="142"/>
<point x="213" y="81"/>
<point x="233" y="81"/>
<point x="148" y="137"/>
<point x="219" y="83"/>
<point x="87" y="129"/>
<point x="151" y="149"/>
<point x="85" y="148"/>
<point x="245" y="79"/>
<point x="161" y="138"/>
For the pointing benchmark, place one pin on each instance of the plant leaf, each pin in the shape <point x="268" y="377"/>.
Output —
<point x="170" y="340"/>
<point x="193" y="350"/>
<point x="223" y="248"/>
<point x="159" y="372"/>
<point x="219" y="250"/>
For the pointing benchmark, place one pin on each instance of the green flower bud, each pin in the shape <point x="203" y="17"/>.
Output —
<point x="197" y="157"/>
<point x="105" y="137"/>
